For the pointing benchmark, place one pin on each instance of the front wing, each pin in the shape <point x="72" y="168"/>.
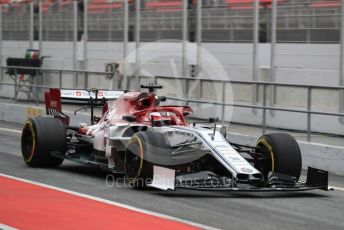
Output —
<point x="203" y="181"/>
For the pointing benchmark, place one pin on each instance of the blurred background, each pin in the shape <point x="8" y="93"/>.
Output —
<point x="283" y="58"/>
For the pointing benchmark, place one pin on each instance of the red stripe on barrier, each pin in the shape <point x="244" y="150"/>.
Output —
<point x="27" y="206"/>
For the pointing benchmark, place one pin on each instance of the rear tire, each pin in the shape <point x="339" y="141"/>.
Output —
<point x="40" y="137"/>
<point x="283" y="153"/>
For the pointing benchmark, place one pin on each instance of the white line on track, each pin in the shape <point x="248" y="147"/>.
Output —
<point x="304" y="142"/>
<point x="10" y="130"/>
<point x="6" y="227"/>
<point x="336" y="188"/>
<point x="110" y="202"/>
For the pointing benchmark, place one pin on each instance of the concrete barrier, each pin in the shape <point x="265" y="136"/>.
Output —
<point x="19" y="113"/>
<point x="316" y="64"/>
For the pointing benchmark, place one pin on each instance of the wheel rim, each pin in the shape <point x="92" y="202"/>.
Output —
<point x="28" y="142"/>
<point x="133" y="163"/>
<point x="267" y="165"/>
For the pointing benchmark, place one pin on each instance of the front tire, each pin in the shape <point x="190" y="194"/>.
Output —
<point x="283" y="154"/>
<point x="40" y="137"/>
<point x="137" y="170"/>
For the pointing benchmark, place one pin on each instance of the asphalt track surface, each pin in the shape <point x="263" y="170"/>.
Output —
<point x="223" y="210"/>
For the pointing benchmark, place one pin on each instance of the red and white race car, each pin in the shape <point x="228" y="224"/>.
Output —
<point x="154" y="145"/>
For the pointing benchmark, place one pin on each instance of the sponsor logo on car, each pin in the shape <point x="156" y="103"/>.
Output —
<point x="246" y="170"/>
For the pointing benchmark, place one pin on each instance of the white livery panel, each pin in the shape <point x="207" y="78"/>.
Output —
<point x="220" y="149"/>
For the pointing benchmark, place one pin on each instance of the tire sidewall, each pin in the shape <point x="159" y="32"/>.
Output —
<point x="49" y="135"/>
<point x="284" y="153"/>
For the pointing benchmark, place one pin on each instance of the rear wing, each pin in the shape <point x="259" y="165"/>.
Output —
<point x="55" y="97"/>
<point x="85" y="95"/>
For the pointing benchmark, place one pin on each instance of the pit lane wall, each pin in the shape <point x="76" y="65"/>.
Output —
<point x="321" y="156"/>
<point x="315" y="64"/>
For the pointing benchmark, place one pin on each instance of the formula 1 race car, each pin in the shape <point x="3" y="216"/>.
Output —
<point x="154" y="145"/>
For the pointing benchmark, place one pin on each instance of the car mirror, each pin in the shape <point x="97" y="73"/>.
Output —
<point x="223" y="131"/>
<point x="129" y="118"/>
<point x="213" y="119"/>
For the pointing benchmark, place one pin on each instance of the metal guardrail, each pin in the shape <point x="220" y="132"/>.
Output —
<point x="40" y="71"/>
<point x="264" y="106"/>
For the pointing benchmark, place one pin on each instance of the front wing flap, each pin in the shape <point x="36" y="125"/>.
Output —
<point x="208" y="181"/>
